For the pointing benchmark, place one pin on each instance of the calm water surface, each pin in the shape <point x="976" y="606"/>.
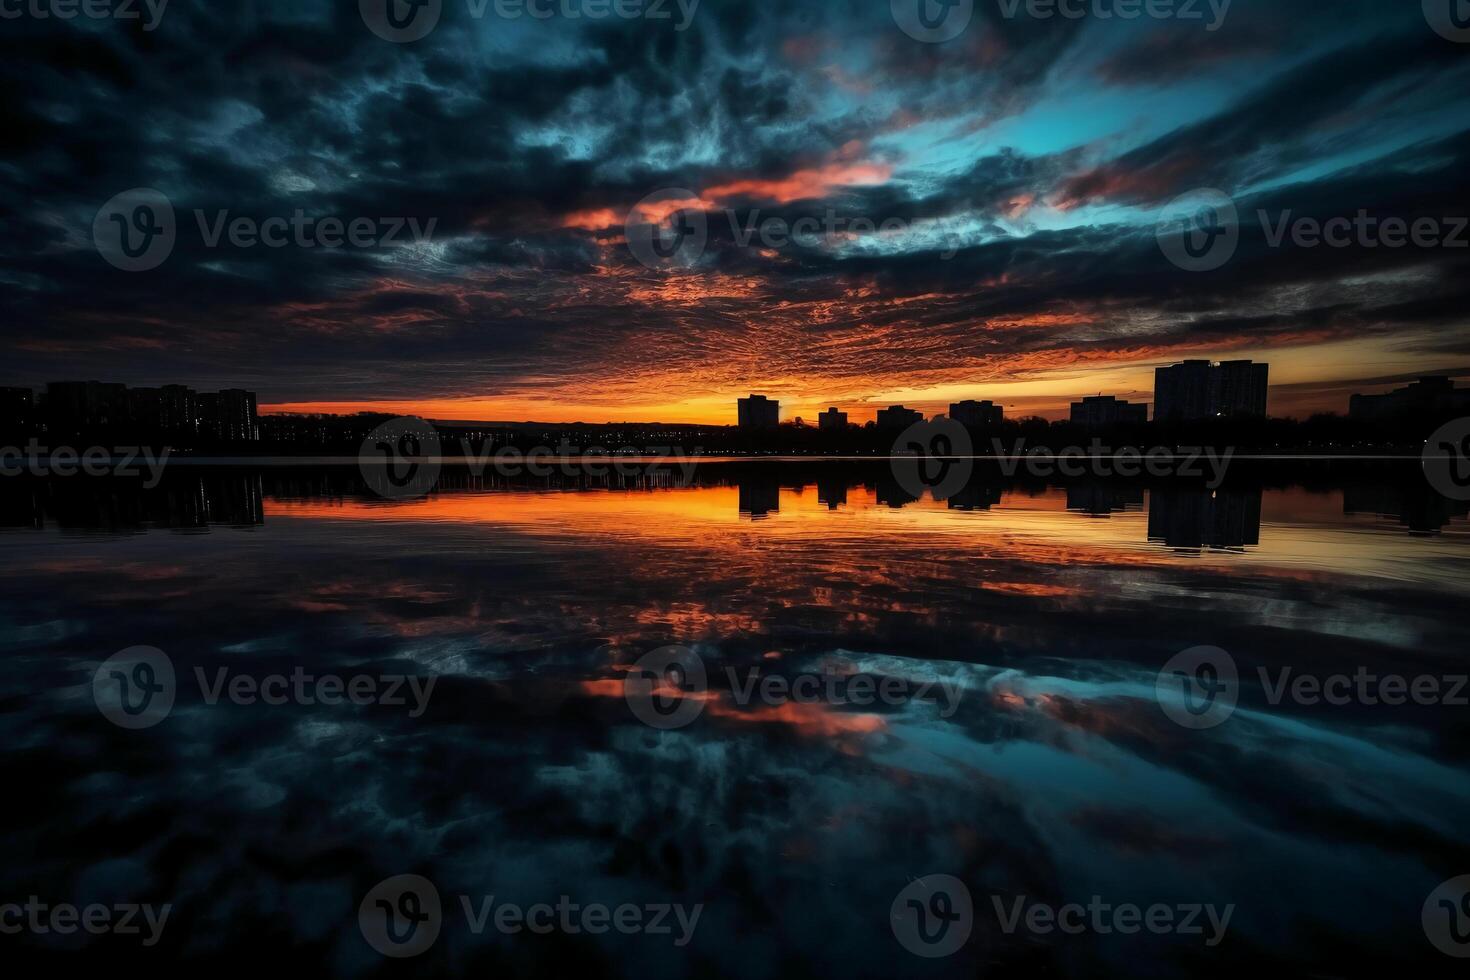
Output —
<point x="1046" y="770"/>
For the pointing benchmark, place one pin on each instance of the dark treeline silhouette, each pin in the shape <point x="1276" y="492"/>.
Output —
<point x="42" y="426"/>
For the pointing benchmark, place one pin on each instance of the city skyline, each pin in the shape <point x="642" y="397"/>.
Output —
<point x="1197" y="389"/>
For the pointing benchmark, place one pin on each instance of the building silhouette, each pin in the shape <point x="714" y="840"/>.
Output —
<point x="17" y="410"/>
<point x="976" y="415"/>
<point x="1425" y="397"/>
<point x="73" y="408"/>
<point x="236" y="419"/>
<point x="832" y="420"/>
<point x="1105" y="410"/>
<point x="1203" y="389"/>
<point x="758" y="413"/>
<point x="898" y="417"/>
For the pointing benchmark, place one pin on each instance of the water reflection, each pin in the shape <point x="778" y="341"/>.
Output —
<point x="1193" y="518"/>
<point x="1053" y="774"/>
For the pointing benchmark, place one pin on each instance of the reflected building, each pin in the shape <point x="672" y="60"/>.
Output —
<point x="891" y="494"/>
<point x="760" y="495"/>
<point x="1415" y="505"/>
<point x="832" y="491"/>
<point x="1104" y="499"/>
<point x="189" y="501"/>
<point x="975" y="495"/>
<point x="1195" y="518"/>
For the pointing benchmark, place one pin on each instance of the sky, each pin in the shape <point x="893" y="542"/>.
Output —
<point x="984" y="210"/>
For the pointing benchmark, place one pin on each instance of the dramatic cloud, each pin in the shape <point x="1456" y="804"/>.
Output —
<point x="884" y="218"/>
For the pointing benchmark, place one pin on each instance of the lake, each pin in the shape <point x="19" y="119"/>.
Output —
<point x="760" y="720"/>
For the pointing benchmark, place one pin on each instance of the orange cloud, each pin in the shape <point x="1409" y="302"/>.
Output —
<point x="805" y="185"/>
